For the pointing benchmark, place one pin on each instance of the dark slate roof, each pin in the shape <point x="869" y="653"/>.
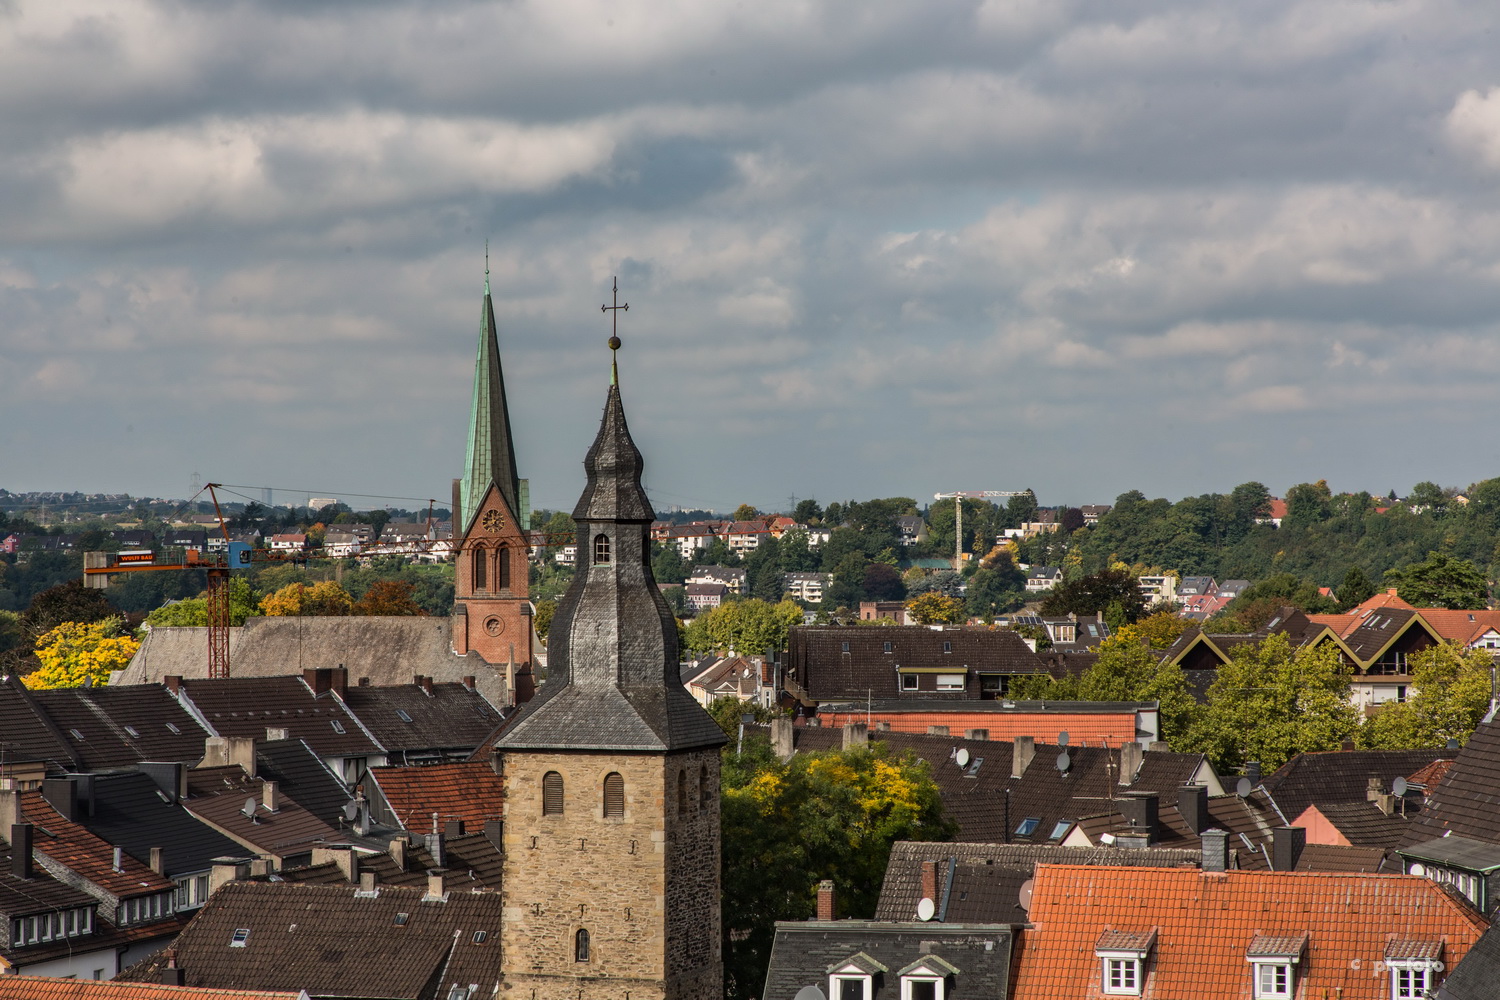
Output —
<point x="29" y="734"/>
<point x="1460" y="852"/>
<point x="122" y="726"/>
<point x="39" y="894"/>
<point x="218" y="796"/>
<point x="1465" y="802"/>
<point x="333" y="942"/>
<point x="248" y="706"/>
<point x="302" y="777"/>
<point x="987" y="878"/>
<point x="129" y="813"/>
<point x="1474" y="977"/>
<point x="613" y="677"/>
<point x="1376" y="630"/>
<point x="1364" y="825"/>
<point x="803" y="952"/>
<point x="817" y="659"/>
<point x="1342" y="775"/>
<point x="407" y="718"/>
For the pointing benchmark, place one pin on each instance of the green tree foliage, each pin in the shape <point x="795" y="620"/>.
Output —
<point x="933" y="608"/>
<point x="1308" y="503"/>
<point x="667" y="564"/>
<point x="542" y="620"/>
<point x="728" y="710"/>
<point x="789" y="825"/>
<point x="1272" y="701"/>
<point x="1262" y="601"/>
<point x="763" y="573"/>
<point x="745" y="512"/>
<point x="1440" y="581"/>
<point x="193" y="611"/>
<point x="1449" y="694"/>
<point x="882" y="583"/>
<point x="746" y="627"/>
<point x="995" y="591"/>
<point x="1092" y="594"/>
<point x="67" y="602"/>
<point x="847" y="588"/>
<point x="807" y="512"/>
<point x="1355" y="590"/>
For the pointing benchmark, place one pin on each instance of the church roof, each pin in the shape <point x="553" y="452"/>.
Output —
<point x="491" y="455"/>
<point x="613" y="679"/>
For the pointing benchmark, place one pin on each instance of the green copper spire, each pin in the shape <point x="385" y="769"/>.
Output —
<point x="491" y="455"/>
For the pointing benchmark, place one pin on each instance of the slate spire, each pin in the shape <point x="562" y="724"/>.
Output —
<point x="612" y="665"/>
<point x="491" y="454"/>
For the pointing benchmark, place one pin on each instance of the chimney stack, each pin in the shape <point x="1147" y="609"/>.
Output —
<point x="427" y="686"/>
<point x="825" y="899"/>
<point x="20" y="850"/>
<point x="468" y="682"/>
<point x="1021" y="753"/>
<point x="937" y="730"/>
<point x="215" y="752"/>
<point x="62" y="794"/>
<point x="435" y="893"/>
<point x="929" y="881"/>
<point x="173" y="975"/>
<point x="976" y="734"/>
<point x="397" y="851"/>
<point x="856" y="734"/>
<point x="1373" y="790"/>
<point x="494" y="832"/>
<point x="10" y="804"/>
<point x="366" y="881"/>
<point x="270" y="796"/>
<point x="1252" y="771"/>
<point x="1286" y="847"/>
<point x="273" y="734"/>
<point x="1215" y="850"/>
<point x="1192" y="805"/>
<point x="453" y="828"/>
<point x="119" y="862"/>
<point x="781" y="737"/>
<point x="173" y="682"/>
<point x="435" y="848"/>
<point x="242" y="753"/>
<point x="1131" y="756"/>
<point x="158" y="861"/>
<point x="1140" y="810"/>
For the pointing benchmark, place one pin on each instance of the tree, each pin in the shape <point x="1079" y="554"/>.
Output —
<point x="788" y="825"/>
<point x="1440" y="582"/>
<point x="1070" y="520"/>
<point x="667" y="564"/>
<point x="847" y="588"/>
<point x="1126" y="670"/>
<point x="745" y="512"/>
<point x="933" y="608"/>
<point x="995" y="591"/>
<point x="387" y="597"/>
<point x="1092" y="594"/>
<point x="1428" y="498"/>
<point x="325" y="598"/>
<point x="75" y="651"/>
<point x="542" y="620"/>
<point x="882" y="583"/>
<point x="1156" y="631"/>
<point x="67" y="602"/>
<point x="244" y="603"/>
<point x="747" y="627"/>
<point x="1449" y="694"/>
<point x="1307" y="503"/>
<point x="1272" y="701"/>
<point x="1355" y="590"/>
<point x="807" y="512"/>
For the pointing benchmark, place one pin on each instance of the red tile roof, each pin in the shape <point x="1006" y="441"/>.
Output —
<point x="1205" y="923"/>
<point x="41" y="988"/>
<point x="78" y="850"/>
<point x="1462" y="627"/>
<point x="470" y="791"/>
<point x="1043" y="727"/>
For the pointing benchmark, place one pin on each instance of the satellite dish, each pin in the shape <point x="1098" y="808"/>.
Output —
<point x="1026" y="888"/>
<point x="810" y="993"/>
<point x="926" y="909"/>
<point x="88" y="681"/>
<point x="1064" y="761"/>
<point x="1398" y="787"/>
<point x="249" y="810"/>
<point x="961" y="758"/>
<point x="1062" y="738"/>
<point x="1417" y="869"/>
<point x="1242" y="788"/>
<point x="351" y="810"/>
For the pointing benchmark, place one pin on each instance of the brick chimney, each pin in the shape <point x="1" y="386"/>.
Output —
<point x="435" y="891"/>
<point x="1021" y="752"/>
<point x="158" y="860"/>
<point x="427" y="686"/>
<point x="825" y="899"/>
<point x="468" y="682"/>
<point x="929" y="881"/>
<point x="20" y="848"/>
<point x="856" y="734"/>
<point x="173" y="975"/>
<point x="173" y="682"/>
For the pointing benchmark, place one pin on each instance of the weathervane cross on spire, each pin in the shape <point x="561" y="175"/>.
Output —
<point x="614" y="332"/>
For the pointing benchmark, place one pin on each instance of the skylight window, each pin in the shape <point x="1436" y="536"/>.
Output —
<point x="480" y="937"/>
<point x="974" y="767"/>
<point x="241" y="935"/>
<point x="174" y="729"/>
<point x="1028" y="826"/>
<point x="338" y="726"/>
<point x="76" y="735"/>
<point x="1060" y="830"/>
<point x="132" y="732"/>
<point x="401" y="919"/>
<point x="401" y="714"/>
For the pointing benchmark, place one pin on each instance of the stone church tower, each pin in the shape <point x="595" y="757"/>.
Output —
<point x="491" y="613"/>
<point x="611" y="775"/>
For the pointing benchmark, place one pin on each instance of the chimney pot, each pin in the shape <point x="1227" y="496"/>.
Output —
<point x="468" y="682"/>
<point x="1021" y="753"/>
<point x="825" y="899"/>
<point x="173" y="682"/>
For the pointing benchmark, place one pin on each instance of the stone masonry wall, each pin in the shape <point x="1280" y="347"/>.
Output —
<point x="644" y="886"/>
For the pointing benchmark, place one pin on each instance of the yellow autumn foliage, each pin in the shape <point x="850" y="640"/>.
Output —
<point x="74" y="651"/>
<point x="326" y="598"/>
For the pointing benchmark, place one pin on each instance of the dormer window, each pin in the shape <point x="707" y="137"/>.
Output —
<point x="854" y="978"/>
<point x="926" y="979"/>
<point x="1122" y="956"/>
<point x="1273" y="959"/>
<point x="1414" y="966"/>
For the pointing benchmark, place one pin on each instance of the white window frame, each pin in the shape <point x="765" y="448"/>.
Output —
<point x="950" y="682"/>
<point x="939" y="983"/>
<point x="837" y="979"/>
<point x="1122" y="960"/>
<point x="908" y="682"/>
<point x="1271" y="991"/>
<point x="1426" y="968"/>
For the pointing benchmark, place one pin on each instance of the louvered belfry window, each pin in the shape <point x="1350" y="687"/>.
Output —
<point x="614" y="795"/>
<point x="552" y="794"/>
<point x="481" y="557"/>
<point x="502" y="568"/>
<point x="703" y="791"/>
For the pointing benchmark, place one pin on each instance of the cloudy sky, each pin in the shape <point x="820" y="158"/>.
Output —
<point x="870" y="249"/>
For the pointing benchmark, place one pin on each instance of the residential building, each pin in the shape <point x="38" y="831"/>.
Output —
<point x="1087" y="722"/>
<point x="806" y="587"/>
<point x="911" y="529"/>
<point x="1093" y="511"/>
<point x="426" y="798"/>
<point x="704" y="596"/>
<point x="1197" y="586"/>
<point x="870" y="611"/>
<point x="744" y="536"/>
<point x="733" y="579"/>
<point x="843" y="663"/>
<point x="1042" y="579"/>
<point x="1158" y="587"/>
<point x="291" y="542"/>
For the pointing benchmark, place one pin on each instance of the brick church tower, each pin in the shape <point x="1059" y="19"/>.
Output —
<point x="491" y="613"/>
<point x="611" y="775"/>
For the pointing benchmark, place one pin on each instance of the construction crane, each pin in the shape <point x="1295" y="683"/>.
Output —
<point x="958" y="515"/>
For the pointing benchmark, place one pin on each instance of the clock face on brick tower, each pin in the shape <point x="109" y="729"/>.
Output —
<point x="493" y="521"/>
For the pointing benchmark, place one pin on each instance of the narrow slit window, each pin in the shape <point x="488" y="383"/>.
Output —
<point x="614" y="795"/>
<point x="601" y="550"/>
<point x="552" y="794"/>
<point x="481" y="565"/>
<point x="581" y="946"/>
<point x="703" y="791"/>
<point x="502" y="568"/>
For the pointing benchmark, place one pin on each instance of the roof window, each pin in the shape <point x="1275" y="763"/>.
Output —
<point x="1060" y="829"/>
<point x="887" y="646"/>
<point x="338" y="726"/>
<point x="174" y="729"/>
<point x="480" y="937"/>
<point x="132" y="732"/>
<point x="401" y="714"/>
<point x="401" y="919"/>
<point x="76" y="735"/>
<point x="1123" y="954"/>
<point x="241" y="935"/>
<point x="1028" y="826"/>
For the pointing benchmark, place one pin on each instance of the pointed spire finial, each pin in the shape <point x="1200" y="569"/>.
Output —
<point x="614" y="333"/>
<point x="486" y="267"/>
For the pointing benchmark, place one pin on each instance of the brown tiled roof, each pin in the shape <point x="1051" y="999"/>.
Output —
<point x="1113" y="940"/>
<point x="1342" y="775"/>
<point x="42" y="988"/>
<point x="289" y="830"/>
<point x="29" y="734"/>
<point x="451" y="717"/>
<point x="118" y="727"/>
<point x="472" y="861"/>
<point x="1206" y="922"/>
<point x="1362" y="824"/>
<point x="75" y="848"/>
<point x="247" y="706"/>
<point x="1333" y="858"/>
<point x="334" y="942"/>
<point x="826" y="672"/>
<point x="1431" y="776"/>
<point x="470" y="791"/>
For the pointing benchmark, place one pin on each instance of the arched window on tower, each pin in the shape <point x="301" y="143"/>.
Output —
<point x="703" y="788"/>
<point x="481" y="563"/>
<point x="614" y="795"/>
<point x="552" y="794"/>
<point x="502" y="568"/>
<point x="682" y="793"/>
<point x="601" y="550"/>
<point x="581" y="945"/>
